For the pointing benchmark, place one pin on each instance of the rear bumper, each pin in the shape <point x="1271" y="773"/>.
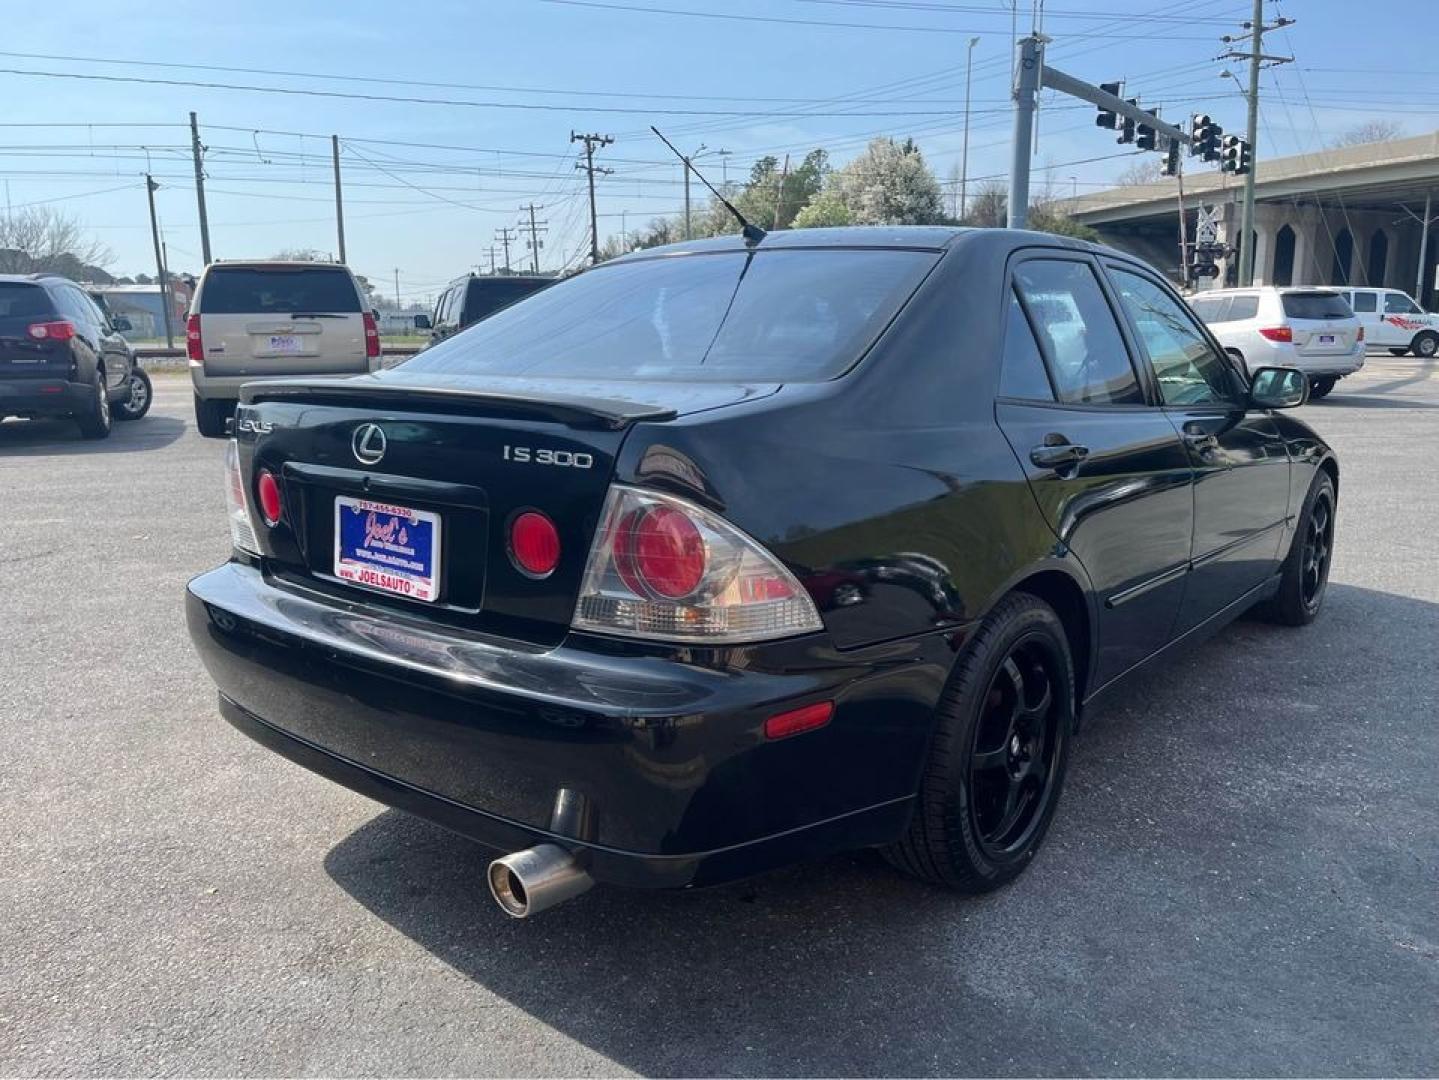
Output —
<point x="665" y="760"/>
<point x="227" y="387"/>
<point x="43" y="397"/>
<point x="1282" y="354"/>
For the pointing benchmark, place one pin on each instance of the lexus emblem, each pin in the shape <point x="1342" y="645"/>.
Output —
<point x="368" y="444"/>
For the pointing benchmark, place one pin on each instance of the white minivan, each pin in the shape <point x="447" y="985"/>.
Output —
<point x="1393" y="321"/>
<point x="1311" y="329"/>
<point x="268" y="319"/>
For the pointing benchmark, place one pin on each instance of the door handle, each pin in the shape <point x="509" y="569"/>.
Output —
<point x="1057" y="455"/>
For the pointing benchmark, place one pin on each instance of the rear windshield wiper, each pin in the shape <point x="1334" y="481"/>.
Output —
<point x="316" y="315"/>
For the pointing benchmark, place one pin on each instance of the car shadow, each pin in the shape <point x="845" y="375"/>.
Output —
<point x="1133" y="943"/>
<point x="1337" y="399"/>
<point x="20" y="438"/>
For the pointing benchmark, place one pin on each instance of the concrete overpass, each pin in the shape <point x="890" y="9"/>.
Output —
<point x="1360" y="215"/>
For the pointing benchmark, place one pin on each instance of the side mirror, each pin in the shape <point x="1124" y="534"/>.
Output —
<point x="1278" y="388"/>
<point x="120" y="324"/>
<point x="422" y="322"/>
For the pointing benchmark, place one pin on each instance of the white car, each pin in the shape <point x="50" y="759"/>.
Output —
<point x="1311" y="329"/>
<point x="1392" y="320"/>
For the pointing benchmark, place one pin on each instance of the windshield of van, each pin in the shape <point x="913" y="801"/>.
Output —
<point x="250" y="290"/>
<point x="782" y="316"/>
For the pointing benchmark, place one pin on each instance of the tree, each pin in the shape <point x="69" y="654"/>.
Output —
<point x="1370" y="131"/>
<point x="1146" y="170"/>
<point x="301" y="255"/>
<point x="824" y="209"/>
<point x="42" y="240"/>
<point x="988" y="206"/>
<point x="890" y="184"/>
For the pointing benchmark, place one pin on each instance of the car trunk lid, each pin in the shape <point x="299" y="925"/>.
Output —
<point x="1321" y="323"/>
<point x="22" y="355"/>
<point x="464" y="457"/>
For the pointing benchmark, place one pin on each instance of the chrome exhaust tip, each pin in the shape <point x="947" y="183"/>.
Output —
<point x="524" y="883"/>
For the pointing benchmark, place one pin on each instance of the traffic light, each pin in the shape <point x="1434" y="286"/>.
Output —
<point x="1147" y="138"/>
<point x="1200" y="126"/>
<point x="1126" y="127"/>
<point x="1230" y="153"/>
<point x="1107" y="118"/>
<point x="1246" y="159"/>
<point x="1171" y="160"/>
<point x="1211" y="145"/>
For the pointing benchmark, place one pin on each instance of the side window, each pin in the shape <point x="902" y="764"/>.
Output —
<point x="1087" y="357"/>
<point x="445" y="309"/>
<point x="1022" y="374"/>
<point x="1188" y="369"/>
<point x="1399" y="304"/>
<point x="93" y="309"/>
<point x="1244" y="307"/>
<point x="1366" y="301"/>
<point x="73" y="304"/>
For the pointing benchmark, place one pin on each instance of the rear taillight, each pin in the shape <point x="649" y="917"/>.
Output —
<point x="1361" y="334"/>
<point x="372" y="336"/>
<point x="1277" y="333"/>
<point x="194" y="347"/>
<point x="268" y="489"/>
<point x="665" y="569"/>
<point x="242" y="530"/>
<point x="56" y="330"/>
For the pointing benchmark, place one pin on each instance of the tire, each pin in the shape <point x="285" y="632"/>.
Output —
<point x="210" y="416"/>
<point x="142" y="395"/>
<point x="1319" y="388"/>
<point x="1398" y="352"/>
<point x="1425" y="344"/>
<point x="1003" y="725"/>
<point x="95" y="421"/>
<point x="1305" y="575"/>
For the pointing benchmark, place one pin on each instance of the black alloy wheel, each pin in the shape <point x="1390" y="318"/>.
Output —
<point x="1318" y="545"/>
<point x="1305" y="573"/>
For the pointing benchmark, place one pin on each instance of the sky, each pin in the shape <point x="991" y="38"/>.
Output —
<point x="493" y="89"/>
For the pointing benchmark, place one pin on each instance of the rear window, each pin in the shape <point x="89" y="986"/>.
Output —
<point x="489" y="295"/>
<point x="21" y="301"/>
<point x="774" y="316"/>
<point x="1315" y="305"/>
<point x="248" y="290"/>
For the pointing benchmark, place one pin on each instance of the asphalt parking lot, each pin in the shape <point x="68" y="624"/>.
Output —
<point x="1243" y="878"/>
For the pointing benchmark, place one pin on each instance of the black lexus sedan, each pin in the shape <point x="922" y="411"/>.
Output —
<point x="732" y="553"/>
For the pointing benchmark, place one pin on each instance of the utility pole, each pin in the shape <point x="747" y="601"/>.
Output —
<point x="150" y="186"/>
<point x="492" y="260"/>
<point x="397" y="288"/>
<point x="964" y="156"/>
<point x="779" y="192"/>
<point x="196" y="149"/>
<point x="504" y="236"/>
<point x="591" y="141"/>
<point x="534" y="242"/>
<point x="339" y="202"/>
<point x="1256" y="58"/>
<point x="1027" y="70"/>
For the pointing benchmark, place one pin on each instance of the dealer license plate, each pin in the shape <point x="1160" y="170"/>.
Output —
<point x="392" y="549"/>
<point x="284" y="343"/>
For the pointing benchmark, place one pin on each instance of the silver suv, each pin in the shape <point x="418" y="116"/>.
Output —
<point x="1311" y="329"/>
<point x="258" y="320"/>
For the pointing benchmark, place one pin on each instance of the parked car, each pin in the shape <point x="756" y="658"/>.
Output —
<point x="60" y="355"/>
<point x="1392" y="320"/>
<point x="263" y="320"/>
<point x="724" y="555"/>
<point x="1313" y="330"/>
<point x="474" y="297"/>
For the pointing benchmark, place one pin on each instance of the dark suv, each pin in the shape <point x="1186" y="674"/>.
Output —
<point x="727" y="554"/>
<point x="60" y="355"/>
<point x="471" y="298"/>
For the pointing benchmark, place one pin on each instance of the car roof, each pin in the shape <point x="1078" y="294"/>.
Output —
<point x="1276" y="289"/>
<point x="30" y="279"/>
<point x="228" y="264"/>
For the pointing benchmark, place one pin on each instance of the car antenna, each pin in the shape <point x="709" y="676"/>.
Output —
<point x="753" y="234"/>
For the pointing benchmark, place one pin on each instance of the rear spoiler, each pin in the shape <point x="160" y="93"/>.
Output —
<point x="575" y="410"/>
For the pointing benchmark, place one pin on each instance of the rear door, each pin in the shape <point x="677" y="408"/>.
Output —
<point x="1240" y="461"/>
<point x="1322" y="323"/>
<point x="1106" y="467"/>
<point x="22" y="355"/>
<point x="281" y="320"/>
<point x="1366" y="304"/>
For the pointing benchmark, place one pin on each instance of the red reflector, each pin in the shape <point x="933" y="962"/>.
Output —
<point x="194" y="347"/>
<point x="797" y="721"/>
<point x="1277" y="333"/>
<point x="669" y="552"/>
<point x="52" y="389"/>
<point x="57" y="330"/>
<point x="534" y="543"/>
<point x="268" y="489"/>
